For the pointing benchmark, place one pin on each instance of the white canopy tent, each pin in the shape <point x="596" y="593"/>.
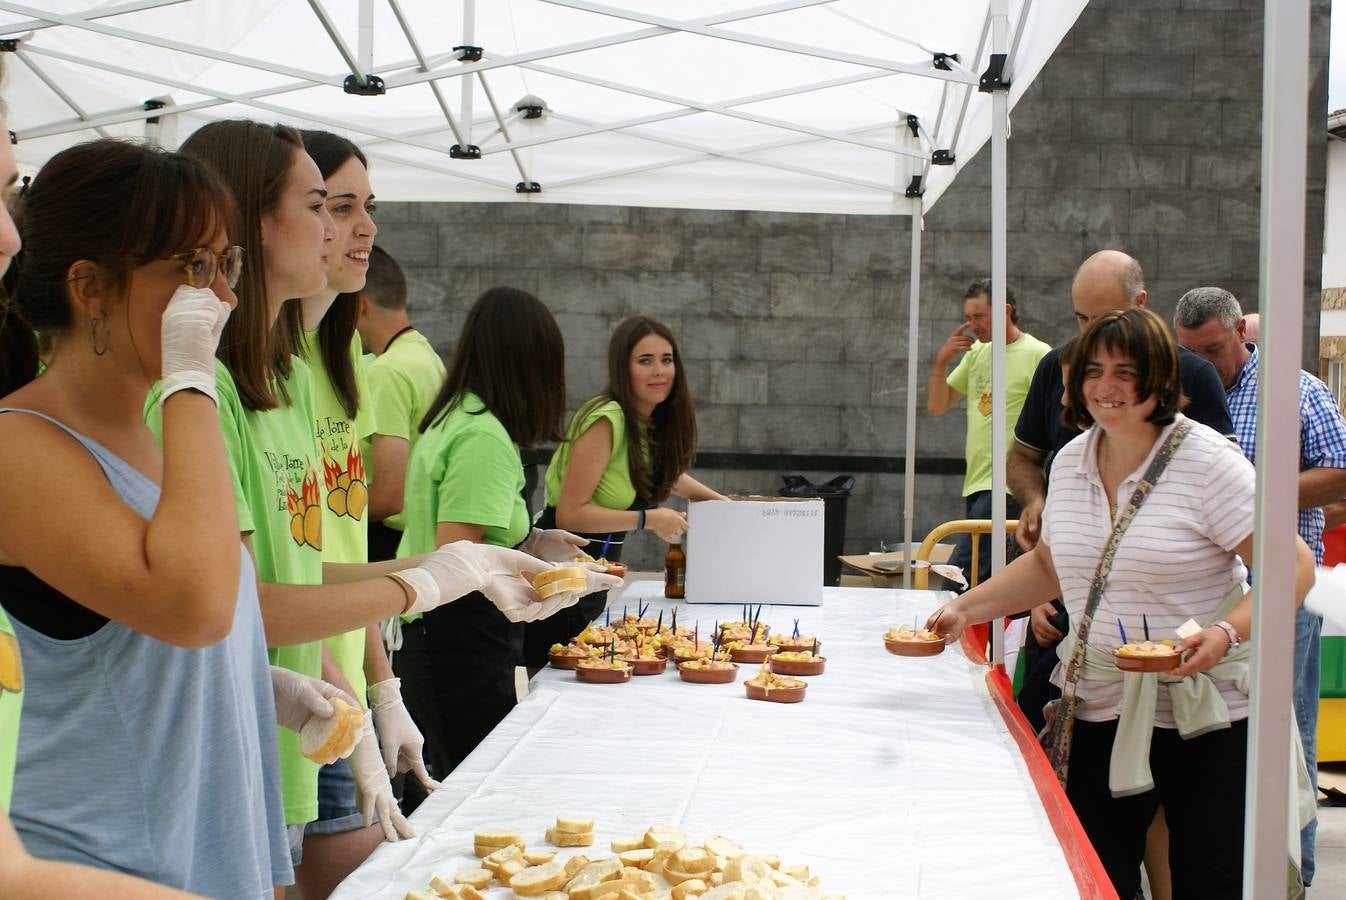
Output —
<point x="853" y="106"/>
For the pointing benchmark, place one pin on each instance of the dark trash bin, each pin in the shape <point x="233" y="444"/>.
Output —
<point x="835" y="494"/>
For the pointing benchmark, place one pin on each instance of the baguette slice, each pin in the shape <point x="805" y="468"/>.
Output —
<point x="563" y="839"/>
<point x="665" y="834"/>
<point x="574" y="824"/>
<point x="638" y="858"/>
<point x="622" y="844"/>
<point x="688" y="889"/>
<point x="496" y="837"/>
<point x="538" y="857"/>
<point x="693" y="859"/>
<point x="723" y="846"/>
<point x="468" y="892"/>
<point x="574" y="864"/>
<point x="593" y="873"/>
<point x="537" y="879"/>
<point x="326" y="740"/>
<point x="509" y="868"/>
<point x="559" y="580"/>
<point x="477" y="878"/>
<point x="444" y="889"/>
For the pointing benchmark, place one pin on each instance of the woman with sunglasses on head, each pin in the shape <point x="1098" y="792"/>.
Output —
<point x="149" y="720"/>
<point x="505" y="389"/>
<point x="625" y="452"/>
<point x="266" y="415"/>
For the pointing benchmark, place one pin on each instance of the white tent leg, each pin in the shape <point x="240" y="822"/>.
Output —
<point x="469" y="38"/>
<point x="913" y="348"/>
<point x="1285" y="84"/>
<point x="365" y="43"/>
<point x="999" y="123"/>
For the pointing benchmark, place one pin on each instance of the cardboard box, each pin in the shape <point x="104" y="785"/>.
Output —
<point x="755" y="550"/>
<point x="887" y="569"/>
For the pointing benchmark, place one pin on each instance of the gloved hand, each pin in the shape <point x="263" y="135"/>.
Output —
<point x="598" y="579"/>
<point x="375" y="791"/>
<point x="401" y="742"/>
<point x="190" y="331"/>
<point x="505" y="576"/>
<point x="553" y="545"/>
<point x="299" y="698"/>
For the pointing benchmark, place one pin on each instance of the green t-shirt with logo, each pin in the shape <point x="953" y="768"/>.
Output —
<point x="615" y="489"/>
<point x="277" y="481"/>
<point x="345" y="489"/>
<point x="403" y="381"/>
<point x="972" y="378"/>
<point x="467" y="470"/>
<point x="11" y="704"/>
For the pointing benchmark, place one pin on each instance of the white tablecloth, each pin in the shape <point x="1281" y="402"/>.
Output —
<point x="895" y="777"/>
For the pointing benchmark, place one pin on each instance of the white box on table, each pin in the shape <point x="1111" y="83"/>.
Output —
<point x="755" y="550"/>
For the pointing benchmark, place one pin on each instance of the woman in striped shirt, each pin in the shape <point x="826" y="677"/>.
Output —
<point x="1140" y="740"/>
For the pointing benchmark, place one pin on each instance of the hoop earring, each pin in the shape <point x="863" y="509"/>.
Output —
<point x="94" y="336"/>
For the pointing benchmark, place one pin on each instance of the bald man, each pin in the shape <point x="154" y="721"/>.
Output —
<point x="1106" y="281"/>
<point x="1252" y="327"/>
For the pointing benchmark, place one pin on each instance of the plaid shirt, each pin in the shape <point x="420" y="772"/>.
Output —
<point x="1322" y="435"/>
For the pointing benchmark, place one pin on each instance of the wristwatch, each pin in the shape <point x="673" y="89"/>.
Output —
<point x="1231" y="632"/>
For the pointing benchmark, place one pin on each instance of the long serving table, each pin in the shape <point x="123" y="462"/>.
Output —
<point x="895" y="777"/>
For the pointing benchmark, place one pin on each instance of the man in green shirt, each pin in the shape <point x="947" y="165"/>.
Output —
<point x="403" y="378"/>
<point x="971" y="378"/>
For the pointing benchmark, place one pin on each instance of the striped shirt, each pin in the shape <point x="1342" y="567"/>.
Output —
<point x="1322" y="435"/>
<point x="1175" y="562"/>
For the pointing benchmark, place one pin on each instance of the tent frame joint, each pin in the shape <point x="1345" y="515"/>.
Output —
<point x="994" y="79"/>
<point x="10" y="45"/>
<point x="915" y="189"/>
<point x="373" y="86"/>
<point x="943" y="158"/>
<point x="469" y="53"/>
<point x="527" y="187"/>
<point x="914" y="123"/>
<point x="152" y="105"/>
<point x="941" y="61"/>
<point x="471" y="151"/>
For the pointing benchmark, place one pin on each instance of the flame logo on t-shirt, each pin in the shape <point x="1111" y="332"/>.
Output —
<point x="984" y="404"/>
<point x="305" y="511"/>
<point x="347" y="493"/>
<point x="11" y="668"/>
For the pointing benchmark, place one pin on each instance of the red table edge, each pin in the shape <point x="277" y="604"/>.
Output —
<point x="1090" y="876"/>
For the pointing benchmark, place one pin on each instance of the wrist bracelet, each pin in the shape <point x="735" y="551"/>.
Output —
<point x="1230" y="632"/>
<point x="406" y="592"/>
<point x="640" y="520"/>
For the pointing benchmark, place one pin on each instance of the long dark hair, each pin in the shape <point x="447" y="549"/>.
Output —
<point x="512" y="356"/>
<point x="671" y="432"/>
<point x="116" y="203"/>
<point x="337" y="329"/>
<point x="254" y="160"/>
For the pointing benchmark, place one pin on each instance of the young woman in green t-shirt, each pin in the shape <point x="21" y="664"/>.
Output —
<point x="626" y="451"/>
<point x="267" y="418"/>
<point x="505" y="388"/>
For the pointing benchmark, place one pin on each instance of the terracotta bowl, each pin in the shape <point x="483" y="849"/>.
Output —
<point x="1146" y="663"/>
<point x="647" y="666"/>
<point x="812" y="666"/>
<point x="775" y="695"/>
<point x="564" y="661"/>
<point x="617" y="569"/>
<point x="602" y="676"/>
<point x="914" y="648"/>
<point x="754" y="653"/>
<point x="708" y="676"/>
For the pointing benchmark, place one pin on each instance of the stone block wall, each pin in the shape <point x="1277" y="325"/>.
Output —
<point x="1141" y="133"/>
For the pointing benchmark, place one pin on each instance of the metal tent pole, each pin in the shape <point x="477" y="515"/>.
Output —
<point x="913" y="347"/>
<point x="998" y="86"/>
<point x="1285" y="84"/>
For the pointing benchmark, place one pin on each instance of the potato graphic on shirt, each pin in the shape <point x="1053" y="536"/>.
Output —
<point x="11" y="667"/>
<point x="984" y="404"/>
<point x="347" y="494"/>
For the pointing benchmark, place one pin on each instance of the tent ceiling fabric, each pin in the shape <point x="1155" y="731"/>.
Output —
<point x="791" y="105"/>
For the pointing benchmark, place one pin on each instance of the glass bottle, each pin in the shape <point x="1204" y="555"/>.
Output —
<point x="675" y="572"/>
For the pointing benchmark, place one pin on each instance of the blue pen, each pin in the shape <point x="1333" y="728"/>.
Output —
<point x="1123" y="631"/>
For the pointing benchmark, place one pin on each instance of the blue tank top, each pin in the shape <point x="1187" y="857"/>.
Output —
<point x="150" y="759"/>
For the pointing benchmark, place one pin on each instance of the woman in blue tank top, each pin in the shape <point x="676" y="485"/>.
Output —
<point x="148" y="738"/>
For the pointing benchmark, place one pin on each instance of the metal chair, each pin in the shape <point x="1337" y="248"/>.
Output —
<point x="920" y="576"/>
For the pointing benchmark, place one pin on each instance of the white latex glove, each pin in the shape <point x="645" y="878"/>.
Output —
<point x="553" y="545"/>
<point x="1327" y="597"/>
<point x="505" y="576"/>
<point x="402" y="744"/>
<point x="189" y="333"/>
<point x="300" y="698"/>
<point x="375" y="791"/>
<point x="598" y="580"/>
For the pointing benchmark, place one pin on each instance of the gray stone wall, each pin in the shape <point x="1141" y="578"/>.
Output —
<point x="1142" y="133"/>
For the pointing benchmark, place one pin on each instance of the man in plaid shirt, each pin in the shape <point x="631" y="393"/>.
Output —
<point x="1210" y="322"/>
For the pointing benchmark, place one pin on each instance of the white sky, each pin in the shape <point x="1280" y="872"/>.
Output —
<point x="1336" y="71"/>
